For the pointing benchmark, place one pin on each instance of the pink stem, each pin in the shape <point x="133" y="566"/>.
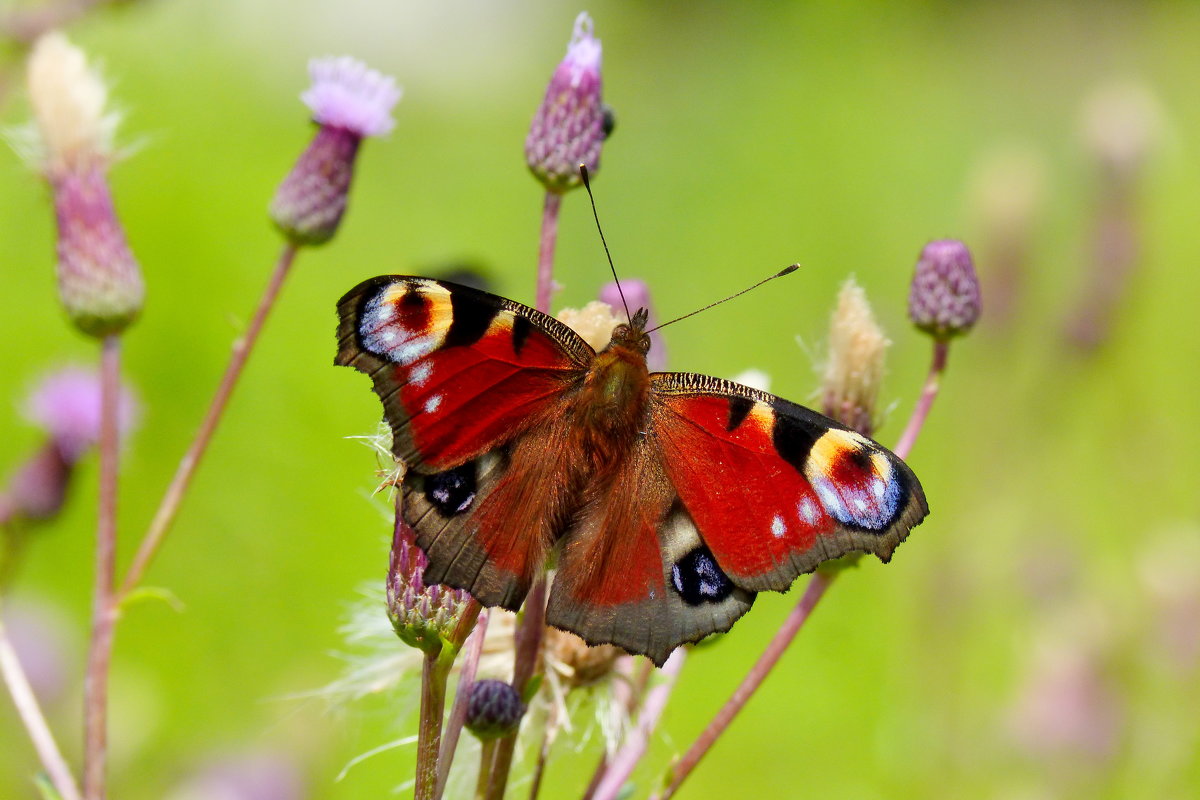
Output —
<point x="545" y="276"/>
<point x="173" y="497"/>
<point x="103" y="606"/>
<point x="462" y="695"/>
<point x="35" y="723"/>
<point x="635" y="746"/>
<point x="941" y="348"/>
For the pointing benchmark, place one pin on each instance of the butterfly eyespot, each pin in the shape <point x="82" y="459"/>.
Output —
<point x="453" y="491"/>
<point x="698" y="579"/>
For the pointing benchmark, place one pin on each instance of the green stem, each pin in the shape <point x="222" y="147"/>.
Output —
<point x="434" y="672"/>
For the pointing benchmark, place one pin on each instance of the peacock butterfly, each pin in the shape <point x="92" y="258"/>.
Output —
<point x="670" y="498"/>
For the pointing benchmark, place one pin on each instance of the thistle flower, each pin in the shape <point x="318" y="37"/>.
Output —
<point x="424" y="617"/>
<point x="943" y="299"/>
<point x="66" y="404"/>
<point x="99" y="281"/>
<point x="494" y="709"/>
<point x="572" y="122"/>
<point x="594" y="322"/>
<point x="854" y="371"/>
<point x="349" y="102"/>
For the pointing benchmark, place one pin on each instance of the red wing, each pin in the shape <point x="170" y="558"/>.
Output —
<point x="459" y="371"/>
<point x="633" y="571"/>
<point x="774" y="487"/>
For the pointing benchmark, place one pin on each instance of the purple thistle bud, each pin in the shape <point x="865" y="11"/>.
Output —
<point x="494" y="709"/>
<point x="424" y="617"/>
<point x="572" y="122"/>
<point x="944" y="297"/>
<point x="99" y="280"/>
<point x="637" y="295"/>
<point x="349" y="102"/>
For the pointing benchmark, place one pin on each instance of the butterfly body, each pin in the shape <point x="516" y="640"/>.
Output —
<point x="666" y="499"/>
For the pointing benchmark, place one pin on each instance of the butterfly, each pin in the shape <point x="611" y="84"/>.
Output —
<point x="668" y="499"/>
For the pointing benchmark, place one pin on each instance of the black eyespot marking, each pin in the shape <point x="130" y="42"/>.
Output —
<point x="469" y="319"/>
<point x="520" y="332"/>
<point x="739" y="408"/>
<point x="412" y="296"/>
<point x="861" y="458"/>
<point x="698" y="579"/>
<point x="453" y="491"/>
<point x="793" y="439"/>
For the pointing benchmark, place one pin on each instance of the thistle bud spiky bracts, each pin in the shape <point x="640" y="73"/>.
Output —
<point x="494" y="709"/>
<point x="944" y="298"/>
<point x="99" y="281"/>
<point x="349" y="102"/>
<point x="572" y="122"/>
<point x="424" y="617"/>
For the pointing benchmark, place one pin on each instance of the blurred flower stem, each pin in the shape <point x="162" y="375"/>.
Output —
<point x="434" y="672"/>
<point x="458" y="712"/>
<point x="929" y="392"/>
<point x="173" y="497"/>
<point x="104" y="607"/>
<point x="545" y="274"/>
<point x="34" y="721"/>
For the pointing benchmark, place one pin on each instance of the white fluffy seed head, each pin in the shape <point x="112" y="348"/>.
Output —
<point x="69" y="99"/>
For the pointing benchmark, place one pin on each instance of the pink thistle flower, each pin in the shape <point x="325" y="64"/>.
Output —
<point x="66" y="404"/>
<point x="349" y="102"/>
<point x="944" y="297"/>
<point x="424" y="617"/>
<point x="572" y="122"/>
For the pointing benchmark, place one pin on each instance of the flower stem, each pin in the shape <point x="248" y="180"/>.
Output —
<point x="173" y="497"/>
<point x="35" y="723"/>
<point x="458" y="711"/>
<point x="487" y="752"/>
<point x="103" y="608"/>
<point x="941" y="349"/>
<point x="635" y="746"/>
<point x="817" y="586"/>
<point x="434" y="672"/>
<point x="545" y="275"/>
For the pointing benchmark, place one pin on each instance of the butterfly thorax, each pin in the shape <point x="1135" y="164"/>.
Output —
<point x="611" y="406"/>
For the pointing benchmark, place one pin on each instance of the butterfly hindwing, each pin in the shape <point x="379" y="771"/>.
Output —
<point x="776" y="488"/>
<point x="633" y="571"/>
<point x="459" y="371"/>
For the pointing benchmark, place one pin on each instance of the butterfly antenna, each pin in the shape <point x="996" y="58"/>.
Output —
<point x="780" y="274"/>
<point x="583" y="172"/>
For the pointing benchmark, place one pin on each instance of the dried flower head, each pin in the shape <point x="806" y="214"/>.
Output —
<point x="69" y="101"/>
<point x="594" y="322"/>
<point x="572" y="122"/>
<point x="99" y="280"/>
<point x="349" y="102"/>
<point x="1122" y="122"/>
<point x="944" y="298"/>
<point x="854" y="371"/>
<point x="575" y="662"/>
<point x="494" y="709"/>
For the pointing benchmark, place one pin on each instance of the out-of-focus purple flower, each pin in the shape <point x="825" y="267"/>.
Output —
<point x="943" y="299"/>
<point x="349" y="102"/>
<point x="572" y="122"/>
<point x="99" y="280"/>
<point x="40" y="634"/>
<point x="247" y="776"/>
<point x="637" y="295"/>
<point x="66" y="404"/>
<point x="494" y="709"/>
<point x="425" y="617"/>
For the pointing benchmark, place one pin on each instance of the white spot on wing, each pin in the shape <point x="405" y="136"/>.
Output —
<point x="808" y="510"/>
<point x="778" y="527"/>
<point x="420" y="373"/>
<point x="432" y="404"/>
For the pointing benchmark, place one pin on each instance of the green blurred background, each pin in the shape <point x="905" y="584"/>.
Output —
<point x="1037" y="637"/>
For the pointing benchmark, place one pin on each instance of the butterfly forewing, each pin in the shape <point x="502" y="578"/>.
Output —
<point x="776" y="488"/>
